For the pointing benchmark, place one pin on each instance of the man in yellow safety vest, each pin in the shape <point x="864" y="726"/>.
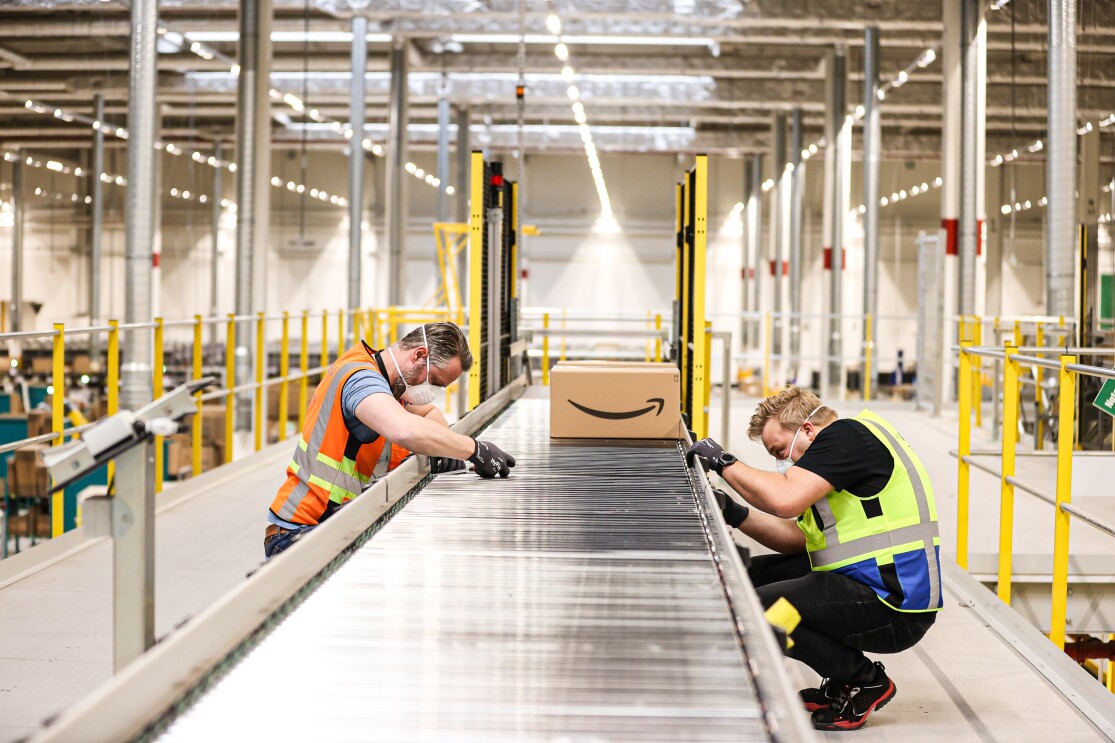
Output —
<point x="851" y="513"/>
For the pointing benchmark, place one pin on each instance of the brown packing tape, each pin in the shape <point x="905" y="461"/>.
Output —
<point x="616" y="401"/>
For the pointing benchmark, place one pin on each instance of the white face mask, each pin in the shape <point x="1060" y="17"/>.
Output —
<point x="418" y="394"/>
<point x="783" y="465"/>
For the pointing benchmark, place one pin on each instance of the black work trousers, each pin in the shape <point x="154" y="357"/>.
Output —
<point x="840" y="617"/>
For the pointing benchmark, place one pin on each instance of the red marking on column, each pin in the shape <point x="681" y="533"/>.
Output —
<point x="979" y="237"/>
<point x="952" y="235"/>
<point x="828" y="259"/>
<point x="155" y="260"/>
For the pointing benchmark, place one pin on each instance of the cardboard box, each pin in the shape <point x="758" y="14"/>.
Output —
<point x="179" y="455"/>
<point x="616" y="401"/>
<point x="213" y="425"/>
<point x="19" y="524"/>
<point x="28" y="476"/>
<point x="292" y="402"/>
<point x="81" y="364"/>
<point x="39" y="422"/>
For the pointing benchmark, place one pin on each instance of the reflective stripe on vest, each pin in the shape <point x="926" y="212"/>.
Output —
<point x="338" y="478"/>
<point x="921" y="534"/>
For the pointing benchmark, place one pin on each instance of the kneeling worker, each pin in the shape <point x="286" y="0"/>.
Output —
<point x="368" y="413"/>
<point x="851" y="511"/>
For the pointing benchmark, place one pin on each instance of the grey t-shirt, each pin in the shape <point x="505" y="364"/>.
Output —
<point x="360" y="385"/>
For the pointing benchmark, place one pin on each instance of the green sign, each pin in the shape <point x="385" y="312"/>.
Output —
<point x="1105" y="400"/>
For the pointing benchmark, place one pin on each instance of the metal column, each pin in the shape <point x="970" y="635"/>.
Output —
<point x="754" y="213"/>
<point x="973" y="42"/>
<point x="462" y="187"/>
<point x="745" y="256"/>
<point x="96" y="223"/>
<point x="872" y="135"/>
<point x="134" y="512"/>
<point x="396" y="196"/>
<point x="140" y="204"/>
<point x="777" y="235"/>
<point x="356" y="160"/>
<point x="253" y="136"/>
<point x="1060" y="169"/>
<point x="214" y="236"/>
<point x="443" y="154"/>
<point x="797" y="186"/>
<point x="17" y="241"/>
<point x="837" y="130"/>
<point x="951" y="100"/>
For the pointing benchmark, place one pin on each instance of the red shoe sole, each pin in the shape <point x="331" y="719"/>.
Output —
<point x="857" y="724"/>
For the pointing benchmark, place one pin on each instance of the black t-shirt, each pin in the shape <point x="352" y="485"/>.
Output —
<point x="849" y="457"/>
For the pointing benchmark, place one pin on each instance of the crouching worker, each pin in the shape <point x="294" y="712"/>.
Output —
<point x="851" y="512"/>
<point x="368" y="413"/>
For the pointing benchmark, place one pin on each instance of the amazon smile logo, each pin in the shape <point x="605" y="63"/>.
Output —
<point x="623" y="414"/>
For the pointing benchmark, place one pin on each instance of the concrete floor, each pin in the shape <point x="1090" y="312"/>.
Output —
<point x="961" y="683"/>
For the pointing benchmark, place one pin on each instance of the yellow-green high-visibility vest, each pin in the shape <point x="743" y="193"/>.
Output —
<point x="890" y="541"/>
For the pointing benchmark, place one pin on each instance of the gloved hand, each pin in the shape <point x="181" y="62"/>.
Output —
<point x="734" y="513"/>
<point x="710" y="454"/>
<point x="440" y="465"/>
<point x="489" y="460"/>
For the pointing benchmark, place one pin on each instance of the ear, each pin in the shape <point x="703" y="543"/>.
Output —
<point x="809" y="429"/>
<point x="420" y="353"/>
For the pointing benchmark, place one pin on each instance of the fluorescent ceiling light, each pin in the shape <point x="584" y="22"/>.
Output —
<point x="604" y="40"/>
<point x="288" y="36"/>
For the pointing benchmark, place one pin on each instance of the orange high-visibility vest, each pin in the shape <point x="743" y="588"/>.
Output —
<point x="329" y="464"/>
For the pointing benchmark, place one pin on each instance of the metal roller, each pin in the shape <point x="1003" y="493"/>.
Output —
<point x="578" y="600"/>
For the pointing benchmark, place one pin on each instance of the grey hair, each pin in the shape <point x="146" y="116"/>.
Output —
<point x="445" y="343"/>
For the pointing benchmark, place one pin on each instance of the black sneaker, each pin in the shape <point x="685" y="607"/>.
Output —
<point x="821" y="697"/>
<point x="852" y="703"/>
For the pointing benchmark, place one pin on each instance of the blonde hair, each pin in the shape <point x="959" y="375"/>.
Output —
<point x="791" y="407"/>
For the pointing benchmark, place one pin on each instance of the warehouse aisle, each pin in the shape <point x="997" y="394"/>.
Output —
<point x="56" y="620"/>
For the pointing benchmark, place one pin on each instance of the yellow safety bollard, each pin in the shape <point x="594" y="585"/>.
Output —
<point x="195" y="443"/>
<point x="58" y="422"/>
<point x="964" y="449"/>
<point x="157" y="390"/>
<point x="230" y="381"/>
<point x="1066" y="425"/>
<point x="977" y="378"/>
<point x="768" y="389"/>
<point x="545" y="350"/>
<point x="304" y="365"/>
<point x="324" y="339"/>
<point x="284" y="372"/>
<point x="1006" y="490"/>
<point x="561" y="357"/>
<point x="340" y="332"/>
<point x="112" y="380"/>
<point x="1039" y="426"/>
<point x="261" y="363"/>
<point x="867" y="347"/>
<point x="658" y="338"/>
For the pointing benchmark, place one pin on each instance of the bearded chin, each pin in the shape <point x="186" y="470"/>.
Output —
<point x="398" y="387"/>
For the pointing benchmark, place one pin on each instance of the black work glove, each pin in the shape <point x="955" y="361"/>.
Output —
<point x="710" y="455"/>
<point x="440" y="465"/>
<point x="489" y="460"/>
<point x="734" y="513"/>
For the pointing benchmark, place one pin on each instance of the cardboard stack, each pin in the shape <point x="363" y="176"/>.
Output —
<point x="36" y="520"/>
<point x="615" y="400"/>
<point x="180" y="456"/>
<point x="28" y="476"/>
<point x="39" y="422"/>
<point x="213" y="430"/>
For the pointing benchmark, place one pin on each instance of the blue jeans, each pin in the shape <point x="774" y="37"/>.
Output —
<point x="282" y="541"/>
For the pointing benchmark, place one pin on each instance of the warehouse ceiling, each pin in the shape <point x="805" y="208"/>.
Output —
<point x="653" y="75"/>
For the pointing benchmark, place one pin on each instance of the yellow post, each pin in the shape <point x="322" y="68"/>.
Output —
<point x="708" y="377"/>
<point x="964" y="448"/>
<point x="1006" y="490"/>
<point x="230" y="381"/>
<point x="658" y="338"/>
<point x="767" y="387"/>
<point x="867" y="346"/>
<point x="977" y="378"/>
<point x="58" y="421"/>
<point x="475" y="274"/>
<point x="357" y="317"/>
<point x="1039" y="430"/>
<point x="112" y="380"/>
<point x="195" y="443"/>
<point x="261" y="363"/>
<point x="304" y="365"/>
<point x="700" y="340"/>
<point x="1066" y="424"/>
<point x="545" y="350"/>
<point x="340" y="332"/>
<point x="1017" y="333"/>
<point x="324" y="338"/>
<point x="370" y="323"/>
<point x="561" y="357"/>
<point x="284" y="372"/>
<point x="393" y="324"/>
<point x="157" y="391"/>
